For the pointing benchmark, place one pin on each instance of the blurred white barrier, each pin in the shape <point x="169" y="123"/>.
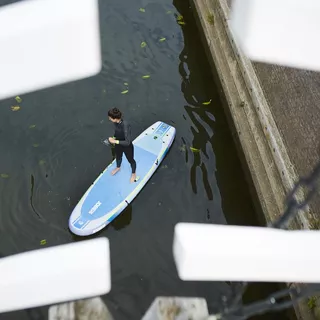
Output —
<point x="89" y="309"/>
<point x="52" y="275"/>
<point x="281" y="32"/>
<point x="47" y="42"/>
<point x="234" y="253"/>
<point x="177" y="308"/>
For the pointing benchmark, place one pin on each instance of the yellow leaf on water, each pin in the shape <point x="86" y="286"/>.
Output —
<point x="18" y="99"/>
<point x="142" y="10"/>
<point x="169" y="11"/>
<point x="179" y="17"/>
<point x="35" y="145"/>
<point x="32" y="126"/>
<point x="43" y="242"/>
<point x="126" y="83"/>
<point x="143" y="44"/>
<point x="4" y="176"/>
<point x="181" y="23"/>
<point x="206" y="103"/>
<point x="162" y="39"/>
<point x="15" y="108"/>
<point x="194" y="149"/>
<point x="125" y="91"/>
<point x="146" y="76"/>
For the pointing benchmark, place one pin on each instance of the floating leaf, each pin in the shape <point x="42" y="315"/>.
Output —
<point x="210" y="18"/>
<point x="142" y="10"/>
<point x="143" y="44"/>
<point x="169" y="12"/>
<point x="43" y="242"/>
<point x="179" y="17"/>
<point x="18" y="99"/>
<point x="146" y="76"/>
<point x="32" y="126"/>
<point x="4" y="176"/>
<point x="35" y="145"/>
<point x="181" y="23"/>
<point x="126" y="83"/>
<point x="206" y="103"/>
<point x="125" y="91"/>
<point x="42" y="162"/>
<point x="15" y="108"/>
<point x="194" y="149"/>
<point x="162" y="39"/>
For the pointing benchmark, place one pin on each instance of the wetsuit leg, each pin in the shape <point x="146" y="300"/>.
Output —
<point x="129" y="152"/>
<point x="119" y="153"/>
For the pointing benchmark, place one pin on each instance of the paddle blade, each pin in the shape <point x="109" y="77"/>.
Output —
<point x="47" y="42"/>
<point x="53" y="275"/>
<point x="233" y="253"/>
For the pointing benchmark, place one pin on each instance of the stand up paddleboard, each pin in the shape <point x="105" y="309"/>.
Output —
<point x="109" y="195"/>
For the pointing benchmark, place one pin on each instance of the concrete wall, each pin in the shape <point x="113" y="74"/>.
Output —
<point x="273" y="113"/>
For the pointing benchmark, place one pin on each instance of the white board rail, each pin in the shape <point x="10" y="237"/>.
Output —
<point x="54" y="275"/>
<point x="205" y="252"/>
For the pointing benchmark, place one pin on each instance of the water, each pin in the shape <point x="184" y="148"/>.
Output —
<point x="51" y="151"/>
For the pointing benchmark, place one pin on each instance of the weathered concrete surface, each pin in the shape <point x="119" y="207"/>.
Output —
<point x="293" y="96"/>
<point x="177" y="308"/>
<point x="255" y="132"/>
<point x="88" y="309"/>
<point x="274" y="114"/>
<point x="294" y="99"/>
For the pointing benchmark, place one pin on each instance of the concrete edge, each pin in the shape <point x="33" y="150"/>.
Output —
<point x="241" y="86"/>
<point x="282" y="160"/>
<point x="240" y="110"/>
<point x="266" y="158"/>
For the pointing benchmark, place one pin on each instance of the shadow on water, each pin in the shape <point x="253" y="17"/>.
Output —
<point x="200" y="83"/>
<point x="119" y="223"/>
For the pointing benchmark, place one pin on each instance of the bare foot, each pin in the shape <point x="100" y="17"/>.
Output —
<point x="114" y="171"/>
<point x="133" y="178"/>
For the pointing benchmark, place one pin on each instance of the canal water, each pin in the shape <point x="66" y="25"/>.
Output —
<point x="51" y="151"/>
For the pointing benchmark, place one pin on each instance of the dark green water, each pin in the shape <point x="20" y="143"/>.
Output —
<point x="51" y="151"/>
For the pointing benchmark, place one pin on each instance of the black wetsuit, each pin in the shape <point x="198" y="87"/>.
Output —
<point x="123" y="134"/>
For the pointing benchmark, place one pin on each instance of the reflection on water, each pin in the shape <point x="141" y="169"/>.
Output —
<point x="123" y="219"/>
<point x="51" y="151"/>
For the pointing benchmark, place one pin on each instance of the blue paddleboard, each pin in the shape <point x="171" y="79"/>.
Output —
<point x="109" y="195"/>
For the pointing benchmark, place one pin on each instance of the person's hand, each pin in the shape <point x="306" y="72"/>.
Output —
<point x="112" y="140"/>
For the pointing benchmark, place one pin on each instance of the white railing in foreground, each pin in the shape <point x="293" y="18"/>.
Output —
<point x="205" y="252"/>
<point x="53" y="275"/>
<point x="47" y="42"/>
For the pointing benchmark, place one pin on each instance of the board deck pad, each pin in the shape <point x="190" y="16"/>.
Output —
<point x="109" y="195"/>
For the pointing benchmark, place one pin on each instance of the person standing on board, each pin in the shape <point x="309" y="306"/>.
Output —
<point x="122" y="141"/>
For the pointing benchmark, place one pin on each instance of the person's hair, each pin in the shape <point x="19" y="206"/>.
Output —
<point x="115" y="113"/>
